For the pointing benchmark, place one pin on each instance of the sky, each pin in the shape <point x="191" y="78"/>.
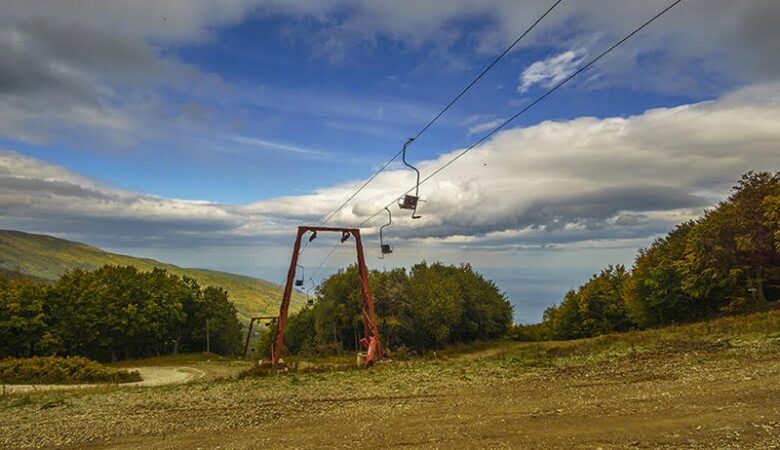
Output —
<point x="203" y="132"/>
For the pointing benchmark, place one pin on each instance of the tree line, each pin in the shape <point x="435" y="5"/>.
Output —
<point x="115" y="312"/>
<point x="426" y="307"/>
<point x="726" y="262"/>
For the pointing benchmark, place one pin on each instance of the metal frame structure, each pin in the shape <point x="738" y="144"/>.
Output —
<point x="370" y="341"/>
<point x="385" y="249"/>
<point x="410" y="201"/>
<point x="251" y="324"/>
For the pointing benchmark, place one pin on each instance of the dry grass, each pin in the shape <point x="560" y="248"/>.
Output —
<point x="696" y="386"/>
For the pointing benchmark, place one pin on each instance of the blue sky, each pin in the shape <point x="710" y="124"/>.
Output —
<point x="202" y="132"/>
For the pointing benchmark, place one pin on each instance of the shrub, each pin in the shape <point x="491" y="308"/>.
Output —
<point x="55" y="370"/>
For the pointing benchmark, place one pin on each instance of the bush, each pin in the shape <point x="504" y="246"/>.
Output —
<point x="54" y="370"/>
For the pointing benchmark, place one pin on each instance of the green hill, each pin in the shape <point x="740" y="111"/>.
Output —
<point x="47" y="257"/>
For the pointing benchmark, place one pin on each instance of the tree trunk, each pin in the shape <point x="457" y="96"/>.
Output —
<point x="208" y="336"/>
<point x="760" y="286"/>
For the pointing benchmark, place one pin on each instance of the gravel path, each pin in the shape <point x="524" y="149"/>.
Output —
<point x="150" y="376"/>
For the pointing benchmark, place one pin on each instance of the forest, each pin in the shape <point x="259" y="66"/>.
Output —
<point x="430" y="306"/>
<point x="726" y="262"/>
<point x="115" y="312"/>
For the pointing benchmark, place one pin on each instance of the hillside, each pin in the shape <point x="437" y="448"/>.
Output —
<point x="48" y="257"/>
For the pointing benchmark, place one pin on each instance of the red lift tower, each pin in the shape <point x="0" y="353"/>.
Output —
<point x="370" y="340"/>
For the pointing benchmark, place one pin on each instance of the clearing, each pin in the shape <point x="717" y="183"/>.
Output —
<point x="701" y="386"/>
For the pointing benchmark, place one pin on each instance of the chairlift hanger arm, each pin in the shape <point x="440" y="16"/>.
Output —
<point x="385" y="248"/>
<point x="410" y="201"/>
<point x="403" y="157"/>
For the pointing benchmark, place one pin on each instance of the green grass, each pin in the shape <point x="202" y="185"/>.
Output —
<point x="712" y="337"/>
<point x="716" y="334"/>
<point x="47" y="257"/>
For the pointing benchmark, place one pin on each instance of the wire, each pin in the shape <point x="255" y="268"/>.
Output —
<point x="445" y="109"/>
<point x="522" y="111"/>
<point x="327" y="257"/>
<point x="533" y="103"/>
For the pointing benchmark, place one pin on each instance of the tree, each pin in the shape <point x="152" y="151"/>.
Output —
<point x="428" y="307"/>
<point x="725" y="262"/>
<point x="654" y="292"/>
<point x="597" y="307"/>
<point x="731" y="251"/>
<point x="487" y="314"/>
<point x="224" y="327"/>
<point x="300" y="334"/>
<point x="115" y="312"/>
<point x="435" y="305"/>
<point x="22" y="320"/>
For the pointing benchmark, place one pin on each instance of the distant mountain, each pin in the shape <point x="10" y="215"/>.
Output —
<point x="47" y="257"/>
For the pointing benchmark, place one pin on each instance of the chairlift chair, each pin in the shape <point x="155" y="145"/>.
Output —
<point x="410" y="201"/>
<point x="299" y="281"/>
<point x="385" y="248"/>
<point x="309" y="300"/>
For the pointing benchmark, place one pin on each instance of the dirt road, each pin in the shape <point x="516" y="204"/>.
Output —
<point x="150" y="376"/>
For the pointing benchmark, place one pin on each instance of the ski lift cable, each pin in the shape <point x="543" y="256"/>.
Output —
<point x="530" y="105"/>
<point x="487" y="136"/>
<point x="327" y="257"/>
<point x="445" y="109"/>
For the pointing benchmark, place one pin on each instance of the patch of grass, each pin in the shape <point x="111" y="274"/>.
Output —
<point x="17" y="402"/>
<point x="297" y="367"/>
<point x="54" y="402"/>
<point x="714" y="337"/>
<point x="55" y="370"/>
<point x="32" y="401"/>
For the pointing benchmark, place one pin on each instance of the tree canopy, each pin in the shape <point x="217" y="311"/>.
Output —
<point x="115" y="312"/>
<point x="427" y="307"/>
<point x="727" y="261"/>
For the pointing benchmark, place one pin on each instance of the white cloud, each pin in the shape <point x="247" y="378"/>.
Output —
<point x="68" y="64"/>
<point x="264" y="143"/>
<point x="582" y="179"/>
<point x="485" y="126"/>
<point x="550" y="71"/>
<point x="556" y="183"/>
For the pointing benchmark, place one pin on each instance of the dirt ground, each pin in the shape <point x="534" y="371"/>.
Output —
<point x="683" y="392"/>
<point x="150" y="376"/>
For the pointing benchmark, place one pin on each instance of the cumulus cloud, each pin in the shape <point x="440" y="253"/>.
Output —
<point x="582" y="179"/>
<point x="553" y="184"/>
